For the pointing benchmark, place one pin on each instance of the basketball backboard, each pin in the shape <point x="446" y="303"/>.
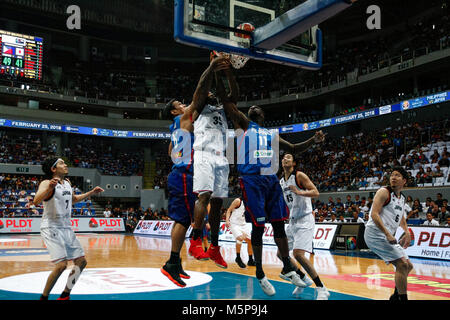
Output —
<point x="285" y="32"/>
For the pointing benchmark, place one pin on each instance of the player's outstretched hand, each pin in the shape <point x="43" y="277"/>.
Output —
<point x="220" y="63"/>
<point x="97" y="189"/>
<point x="319" y="136"/>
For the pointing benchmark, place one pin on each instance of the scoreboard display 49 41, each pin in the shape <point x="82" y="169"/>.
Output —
<point x="21" y="55"/>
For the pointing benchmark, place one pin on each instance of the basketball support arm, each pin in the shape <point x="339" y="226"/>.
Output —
<point x="296" y="21"/>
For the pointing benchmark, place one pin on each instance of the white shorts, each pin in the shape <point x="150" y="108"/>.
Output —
<point x="61" y="244"/>
<point x="210" y="174"/>
<point x="377" y="242"/>
<point x="300" y="233"/>
<point x="238" y="230"/>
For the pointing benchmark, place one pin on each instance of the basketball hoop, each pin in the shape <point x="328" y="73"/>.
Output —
<point x="236" y="60"/>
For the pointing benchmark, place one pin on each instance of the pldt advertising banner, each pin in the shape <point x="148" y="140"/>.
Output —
<point x="428" y="242"/>
<point x="323" y="235"/>
<point x="32" y="225"/>
<point x="156" y="228"/>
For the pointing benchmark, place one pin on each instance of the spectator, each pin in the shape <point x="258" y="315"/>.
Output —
<point x="356" y="218"/>
<point x="430" y="221"/>
<point x="444" y="162"/>
<point x="434" y="211"/>
<point x="444" y="214"/>
<point x="447" y="224"/>
<point x="131" y="224"/>
<point x="333" y="218"/>
<point x="416" y="210"/>
<point x="107" y="212"/>
<point x="439" y="200"/>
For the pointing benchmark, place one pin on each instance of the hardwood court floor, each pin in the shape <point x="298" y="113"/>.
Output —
<point x="129" y="268"/>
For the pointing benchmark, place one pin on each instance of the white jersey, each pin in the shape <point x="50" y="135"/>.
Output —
<point x="392" y="212"/>
<point x="238" y="215"/>
<point x="58" y="209"/>
<point x="210" y="130"/>
<point x="299" y="206"/>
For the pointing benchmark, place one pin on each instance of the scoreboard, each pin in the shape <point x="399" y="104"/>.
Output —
<point x="21" y="55"/>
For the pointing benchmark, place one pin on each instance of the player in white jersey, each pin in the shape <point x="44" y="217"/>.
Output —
<point x="56" y="228"/>
<point x="298" y="190"/>
<point x="386" y="215"/>
<point x="211" y="170"/>
<point x="241" y="230"/>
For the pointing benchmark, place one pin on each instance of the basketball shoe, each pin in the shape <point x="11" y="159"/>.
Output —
<point x="172" y="272"/>
<point x="266" y="286"/>
<point x="196" y="250"/>
<point x="214" y="254"/>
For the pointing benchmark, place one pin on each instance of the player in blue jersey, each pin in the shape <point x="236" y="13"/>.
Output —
<point x="180" y="181"/>
<point x="257" y="156"/>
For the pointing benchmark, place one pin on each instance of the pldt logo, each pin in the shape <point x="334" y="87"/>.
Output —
<point x="93" y="223"/>
<point x="162" y="226"/>
<point x="1" y="225"/>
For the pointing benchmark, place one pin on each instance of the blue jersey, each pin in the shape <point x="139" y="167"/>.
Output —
<point x="255" y="151"/>
<point x="182" y="146"/>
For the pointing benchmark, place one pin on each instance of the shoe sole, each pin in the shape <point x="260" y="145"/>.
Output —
<point x="242" y="267"/>
<point x="185" y="276"/>
<point x="164" y="272"/>
<point x="200" y="259"/>
<point x="282" y="276"/>
<point x="221" y="266"/>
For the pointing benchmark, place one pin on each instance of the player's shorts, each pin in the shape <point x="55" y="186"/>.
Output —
<point x="211" y="174"/>
<point x="237" y="230"/>
<point x="62" y="244"/>
<point x="377" y="242"/>
<point x="263" y="198"/>
<point x="181" y="199"/>
<point x="300" y="233"/>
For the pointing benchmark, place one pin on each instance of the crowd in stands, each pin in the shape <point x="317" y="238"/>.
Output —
<point x="357" y="210"/>
<point x="362" y="161"/>
<point x="17" y="194"/>
<point x="89" y="152"/>
<point x="26" y="147"/>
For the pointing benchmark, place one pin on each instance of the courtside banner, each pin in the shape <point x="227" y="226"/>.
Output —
<point x="154" y="227"/>
<point x="323" y="235"/>
<point x="85" y="224"/>
<point x="428" y="242"/>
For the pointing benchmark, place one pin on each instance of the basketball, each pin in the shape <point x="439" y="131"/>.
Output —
<point x="247" y="27"/>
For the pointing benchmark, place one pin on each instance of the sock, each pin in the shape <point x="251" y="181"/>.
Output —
<point x="286" y="264"/>
<point x="174" y="257"/>
<point x="317" y="282"/>
<point x="301" y="274"/>
<point x="403" y="297"/>
<point x="43" y="298"/>
<point x="259" y="271"/>
<point x="238" y="255"/>
<point x="250" y="257"/>
<point x="196" y="234"/>
<point x="215" y="239"/>
<point x="65" y="294"/>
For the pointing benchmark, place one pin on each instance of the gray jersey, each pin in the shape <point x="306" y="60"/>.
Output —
<point x="58" y="209"/>
<point x="392" y="212"/>
<point x="299" y="206"/>
<point x="238" y="215"/>
<point x="210" y="130"/>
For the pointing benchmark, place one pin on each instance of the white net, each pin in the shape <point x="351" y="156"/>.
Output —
<point x="237" y="61"/>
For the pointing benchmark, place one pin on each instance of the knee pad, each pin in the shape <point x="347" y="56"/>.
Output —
<point x="257" y="234"/>
<point x="278" y="229"/>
